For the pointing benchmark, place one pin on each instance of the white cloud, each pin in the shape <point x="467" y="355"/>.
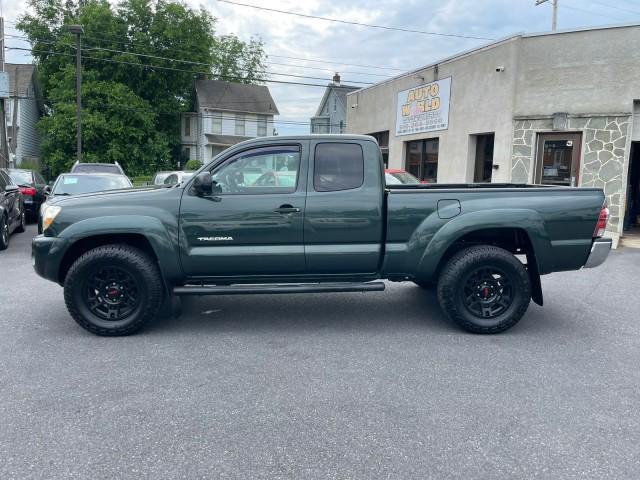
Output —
<point x="293" y="36"/>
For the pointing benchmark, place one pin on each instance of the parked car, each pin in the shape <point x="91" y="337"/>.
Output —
<point x="338" y="228"/>
<point x="394" y="176"/>
<point x="34" y="189"/>
<point x="97" y="168"/>
<point x="177" y="177"/>
<point x="12" y="215"/>
<point x="70" y="184"/>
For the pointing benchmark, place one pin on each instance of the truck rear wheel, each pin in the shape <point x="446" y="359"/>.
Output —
<point x="113" y="290"/>
<point x="485" y="289"/>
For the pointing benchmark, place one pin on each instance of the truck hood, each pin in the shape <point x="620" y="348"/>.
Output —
<point x="104" y="198"/>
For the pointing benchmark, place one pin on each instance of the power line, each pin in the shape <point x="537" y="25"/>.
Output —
<point x="636" y="12"/>
<point x="158" y="67"/>
<point x="564" y="5"/>
<point x="91" y="104"/>
<point x="25" y="39"/>
<point x="106" y="39"/>
<point x="370" y="25"/>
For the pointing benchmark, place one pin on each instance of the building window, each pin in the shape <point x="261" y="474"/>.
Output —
<point x="216" y="122"/>
<point x="422" y="159"/>
<point x="187" y="126"/>
<point x="240" y="121"/>
<point x="262" y="125"/>
<point x="383" y="143"/>
<point x="335" y="104"/>
<point x="338" y="166"/>
<point x="341" y="126"/>
<point x="187" y="153"/>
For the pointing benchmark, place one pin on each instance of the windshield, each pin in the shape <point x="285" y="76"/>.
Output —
<point x="96" y="168"/>
<point x="76" y="184"/>
<point x="21" y="177"/>
<point x="400" y="178"/>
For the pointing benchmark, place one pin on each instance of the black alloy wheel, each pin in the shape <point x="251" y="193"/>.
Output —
<point x="487" y="292"/>
<point x="111" y="293"/>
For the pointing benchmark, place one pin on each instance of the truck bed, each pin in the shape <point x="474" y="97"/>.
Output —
<point x="423" y="219"/>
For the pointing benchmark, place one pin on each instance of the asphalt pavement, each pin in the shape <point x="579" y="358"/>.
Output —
<point x="325" y="386"/>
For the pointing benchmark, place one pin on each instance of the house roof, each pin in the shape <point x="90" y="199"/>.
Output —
<point x="20" y="77"/>
<point x="236" y="97"/>
<point x="341" y="92"/>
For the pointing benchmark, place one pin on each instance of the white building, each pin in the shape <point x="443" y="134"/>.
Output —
<point x="225" y="114"/>
<point x="559" y="108"/>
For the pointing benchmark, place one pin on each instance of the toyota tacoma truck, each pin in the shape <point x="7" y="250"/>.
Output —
<point x="312" y="214"/>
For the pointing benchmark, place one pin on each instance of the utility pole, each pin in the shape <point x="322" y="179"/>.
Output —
<point x="77" y="30"/>
<point x="4" y="81"/>
<point x="554" y="18"/>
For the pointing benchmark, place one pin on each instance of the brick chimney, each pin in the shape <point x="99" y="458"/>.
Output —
<point x="336" y="79"/>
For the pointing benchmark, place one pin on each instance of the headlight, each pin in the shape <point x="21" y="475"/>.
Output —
<point x="49" y="213"/>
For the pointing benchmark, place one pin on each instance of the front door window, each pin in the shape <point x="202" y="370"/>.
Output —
<point x="558" y="159"/>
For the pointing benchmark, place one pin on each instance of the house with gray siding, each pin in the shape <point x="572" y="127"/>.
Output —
<point x="331" y="116"/>
<point x="225" y="113"/>
<point x="24" y="109"/>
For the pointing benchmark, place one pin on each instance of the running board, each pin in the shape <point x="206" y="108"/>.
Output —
<point x="278" y="288"/>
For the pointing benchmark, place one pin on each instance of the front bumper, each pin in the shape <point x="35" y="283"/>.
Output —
<point x="599" y="252"/>
<point x="46" y="256"/>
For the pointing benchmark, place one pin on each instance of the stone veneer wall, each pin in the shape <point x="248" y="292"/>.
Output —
<point x="603" y="157"/>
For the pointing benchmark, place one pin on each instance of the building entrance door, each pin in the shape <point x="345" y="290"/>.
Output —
<point x="632" y="213"/>
<point x="558" y="159"/>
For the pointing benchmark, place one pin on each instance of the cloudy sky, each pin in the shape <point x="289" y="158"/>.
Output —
<point x="363" y="54"/>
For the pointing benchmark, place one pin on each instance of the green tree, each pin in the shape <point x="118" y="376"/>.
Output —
<point x="140" y="59"/>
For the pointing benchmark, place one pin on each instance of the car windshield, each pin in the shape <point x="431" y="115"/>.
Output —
<point x="77" y="184"/>
<point x="21" y="177"/>
<point x="401" y="178"/>
<point x="96" y="168"/>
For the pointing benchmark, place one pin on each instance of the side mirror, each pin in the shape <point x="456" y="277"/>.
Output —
<point x="11" y="188"/>
<point x="47" y="190"/>
<point x="202" y="184"/>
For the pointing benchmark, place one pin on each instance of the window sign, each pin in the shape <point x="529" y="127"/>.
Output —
<point x="424" y="108"/>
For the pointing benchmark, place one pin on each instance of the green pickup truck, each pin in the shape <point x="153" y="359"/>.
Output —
<point x="312" y="214"/>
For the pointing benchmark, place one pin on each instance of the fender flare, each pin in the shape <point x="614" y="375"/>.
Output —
<point x="527" y="220"/>
<point x="162" y="238"/>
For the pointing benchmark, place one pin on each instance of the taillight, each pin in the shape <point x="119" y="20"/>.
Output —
<point x="601" y="226"/>
<point x="30" y="191"/>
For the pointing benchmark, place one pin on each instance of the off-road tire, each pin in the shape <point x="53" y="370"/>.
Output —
<point x="451" y="288"/>
<point x="4" y="233"/>
<point x="138" y="264"/>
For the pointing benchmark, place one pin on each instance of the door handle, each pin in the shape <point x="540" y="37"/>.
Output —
<point x="287" y="209"/>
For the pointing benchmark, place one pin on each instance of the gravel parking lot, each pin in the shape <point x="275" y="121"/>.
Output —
<point x="375" y="385"/>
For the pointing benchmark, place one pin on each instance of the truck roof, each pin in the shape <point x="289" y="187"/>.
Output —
<point x="315" y="136"/>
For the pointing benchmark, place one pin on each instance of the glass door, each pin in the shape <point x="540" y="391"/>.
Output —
<point x="558" y="159"/>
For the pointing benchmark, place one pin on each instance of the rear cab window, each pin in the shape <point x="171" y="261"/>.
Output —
<point x="338" y="166"/>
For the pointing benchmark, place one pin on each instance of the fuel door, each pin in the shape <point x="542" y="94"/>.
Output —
<point x="449" y="208"/>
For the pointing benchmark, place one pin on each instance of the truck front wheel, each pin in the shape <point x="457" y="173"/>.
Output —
<point x="113" y="290"/>
<point x="485" y="289"/>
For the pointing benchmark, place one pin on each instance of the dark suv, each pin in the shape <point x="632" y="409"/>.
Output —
<point x="12" y="216"/>
<point x="97" y="168"/>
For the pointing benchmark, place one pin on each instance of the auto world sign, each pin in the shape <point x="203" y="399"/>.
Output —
<point x="424" y="108"/>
